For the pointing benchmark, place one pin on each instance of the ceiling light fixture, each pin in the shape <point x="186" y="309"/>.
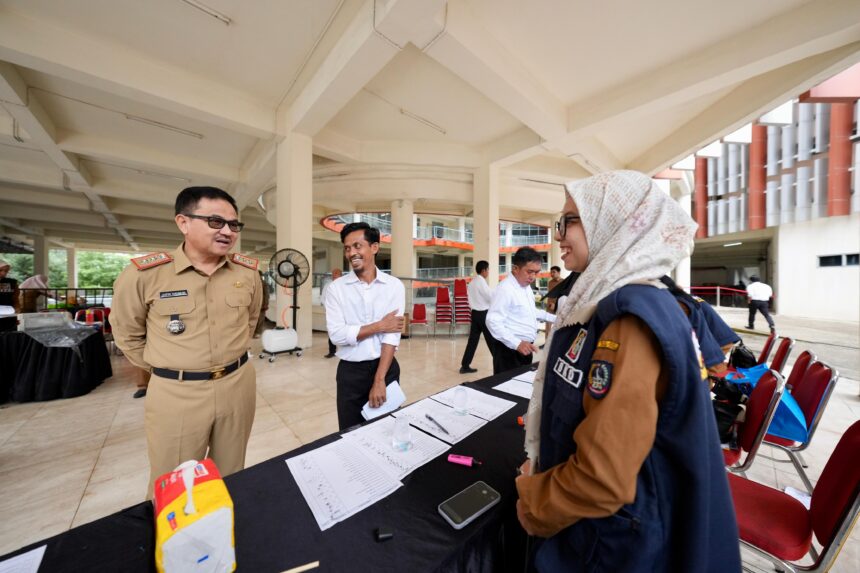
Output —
<point x="16" y="131"/>
<point x="141" y="171"/>
<point x="733" y="244"/>
<point x="162" y="125"/>
<point x="409" y="114"/>
<point x="209" y="11"/>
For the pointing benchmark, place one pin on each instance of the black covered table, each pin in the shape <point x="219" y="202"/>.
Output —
<point x="275" y="529"/>
<point x="33" y="372"/>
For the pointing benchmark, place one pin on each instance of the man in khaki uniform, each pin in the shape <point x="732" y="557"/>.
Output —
<point x="188" y="316"/>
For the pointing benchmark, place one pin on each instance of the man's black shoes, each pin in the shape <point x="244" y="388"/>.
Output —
<point x="467" y="370"/>
<point x="141" y="392"/>
<point x="329" y="355"/>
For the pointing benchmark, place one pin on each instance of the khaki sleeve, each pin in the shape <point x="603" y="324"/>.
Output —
<point x="128" y="316"/>
<point x="612" y="440"/>
<point x="256" y="305"/>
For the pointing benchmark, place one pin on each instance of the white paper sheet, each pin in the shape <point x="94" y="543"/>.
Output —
<point x="527" y="376"/>
<point x="479" y="404"/>
<point x="394" y="398"/>
<point x="25" y="563"/>
<point x="338" y="480"/>
<point x="516" y="387"/>
<point x="375" y="441"/>
<point x="457" y="427"/>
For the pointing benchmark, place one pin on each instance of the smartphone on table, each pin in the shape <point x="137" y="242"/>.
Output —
<point x="465" y="507"/>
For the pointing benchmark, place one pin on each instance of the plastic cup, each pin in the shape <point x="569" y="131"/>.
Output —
<point x="461" y="402"/>
<point x="401" y="437"/>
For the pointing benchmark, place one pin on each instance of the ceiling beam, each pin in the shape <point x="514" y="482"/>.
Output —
<point x="744" y="104"/>
<point x="33" y="213"/>
<point x="64" y="199"/>
<point x="118" y="70"/>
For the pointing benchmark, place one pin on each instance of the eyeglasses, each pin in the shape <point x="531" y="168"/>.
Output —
<point x="217" y="222"/>
<point x="563" y="222"/>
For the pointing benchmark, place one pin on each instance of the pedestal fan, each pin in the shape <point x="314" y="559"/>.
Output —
<point x="290" y="269"/>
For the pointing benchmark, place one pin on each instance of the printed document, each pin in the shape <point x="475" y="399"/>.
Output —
<point x="478" y="403"/>
<point x="375" y="441"/>
<point x="445" y="424"/>
<point x="516" y="387"/>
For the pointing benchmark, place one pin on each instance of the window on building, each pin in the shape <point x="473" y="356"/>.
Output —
<point x="830" y="261"/>
<point x="853" y="259"/>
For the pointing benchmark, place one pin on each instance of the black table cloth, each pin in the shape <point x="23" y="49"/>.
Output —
<point x="275" y="529"/>
<point x="31" y="371"/>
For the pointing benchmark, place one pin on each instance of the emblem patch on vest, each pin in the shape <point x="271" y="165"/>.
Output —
<point x="245" y="261"/>
<point x="608" y="345"/>
<point x="567" y="372"/>
<point x="576" y="348"/>
<point x="703" y="370"/>
<point x="599" y="379"/>
<point x="151" y="260"/>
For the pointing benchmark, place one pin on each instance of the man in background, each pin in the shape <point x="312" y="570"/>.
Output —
<point x="513" y="317"/>
<point x="479" y="301"/>
<point x="8" y="298"/>
<point x="758" y="299"/>
<point x="554" y="281"/>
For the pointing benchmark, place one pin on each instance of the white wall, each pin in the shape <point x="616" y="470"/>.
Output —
<point x="802" y="287"/>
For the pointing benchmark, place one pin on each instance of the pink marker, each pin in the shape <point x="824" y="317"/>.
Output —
<point x="464" y="460"/>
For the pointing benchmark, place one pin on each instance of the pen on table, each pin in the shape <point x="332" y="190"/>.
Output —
<point x="438" y="425"/>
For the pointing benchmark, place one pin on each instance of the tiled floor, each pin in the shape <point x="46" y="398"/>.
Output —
<point x="67" y="462"/>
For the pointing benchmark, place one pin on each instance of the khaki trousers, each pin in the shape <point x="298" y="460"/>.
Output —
<point x="184" y="418"/>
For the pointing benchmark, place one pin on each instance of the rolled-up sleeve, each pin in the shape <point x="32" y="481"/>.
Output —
<point x="128" y="316"/>
<point x="398" y="304"/>
<point x="340" y="333"/>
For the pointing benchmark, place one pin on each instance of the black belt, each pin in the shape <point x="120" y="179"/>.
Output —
<point x="212" y="375"/>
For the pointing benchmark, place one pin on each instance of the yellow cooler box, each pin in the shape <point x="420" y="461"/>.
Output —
<point x="194" y="520"/>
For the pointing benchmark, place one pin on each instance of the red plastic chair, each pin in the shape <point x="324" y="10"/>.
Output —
<point x="801" y="365"/>
<point x="779" y="528"/>
<point x="812" y="394"/>
<point x="462" y="310"/>
<point x="460" y="289"/>
<point x="444" y="310"/>
<point x="781" y="355"/>
<point x="419" y="316"/>
<point x="768" y="346"/>
<point x="760" y="409"/>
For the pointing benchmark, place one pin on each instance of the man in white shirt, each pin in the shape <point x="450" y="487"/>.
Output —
<point x="512" y="317"/>
<point x="758" y="297"/>
<point x="335" y="274"/>
<point x="364" y="318"/>
<point x="479" y="302"/>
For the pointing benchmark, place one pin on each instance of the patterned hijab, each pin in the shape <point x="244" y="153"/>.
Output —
<point x="636" y="233"/>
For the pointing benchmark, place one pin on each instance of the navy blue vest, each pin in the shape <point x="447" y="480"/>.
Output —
<point x="682" y="518"/>
<point x="722" y="332"/>
<point x="712" y="353"/>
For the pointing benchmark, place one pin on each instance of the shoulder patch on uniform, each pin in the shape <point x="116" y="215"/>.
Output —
<point x="608" y="345"/>
<point x="151" y="260"/>
<point x="576" y="348"/>
<point x="249" y="262"/>
<point x="698" y="299"/>
<point x="599" y="379"/>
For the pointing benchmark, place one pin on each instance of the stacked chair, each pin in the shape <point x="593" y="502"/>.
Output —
<point x="419" y="316"/>
<point x="444" y="309"/>
<point x="462" y="311"/>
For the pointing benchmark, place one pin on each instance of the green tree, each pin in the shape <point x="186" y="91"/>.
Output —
<point x="96" y="269"/>
<point x="57" y="269"/>
<point x="22" y="265"/>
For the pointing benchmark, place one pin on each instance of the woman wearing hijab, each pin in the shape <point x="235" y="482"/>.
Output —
<point x="33" y="288"/>
<point x="8" y="299"/>
<point x="625" y="471"/>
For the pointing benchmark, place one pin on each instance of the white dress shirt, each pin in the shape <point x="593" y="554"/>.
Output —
<point x="759" y="291"/>
<point x="351" y="303"/>
<point x="479" y="293"/>
<point x="513" y="316"/>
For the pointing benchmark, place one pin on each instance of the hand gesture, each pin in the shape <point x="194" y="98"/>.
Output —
<point x="526" y="348"/>
<point x="377" y="394"/>
<point x="391" y="322"/>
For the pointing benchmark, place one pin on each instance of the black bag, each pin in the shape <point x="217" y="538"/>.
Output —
<point x="726" y="414"/>
<point x="742" y="357"/>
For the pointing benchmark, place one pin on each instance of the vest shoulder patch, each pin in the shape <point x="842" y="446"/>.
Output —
<point x="608" y="344"/>
<point x="151" y="260"/>
<point x="248" y="262"/>
<point x="599" y="379"/>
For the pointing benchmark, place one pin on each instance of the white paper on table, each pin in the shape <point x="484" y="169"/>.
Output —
<point x="516" y="387"/>
<point x="479" y="404"/>
<point x="337" y="481"/>
<point x="457" y="426"/>
<point x="25" y="563"/>
<point x="375" y="440"/>
<point x="6" y="311"/>
<point x="394" y="398"/>
<point x="528" y="376"/>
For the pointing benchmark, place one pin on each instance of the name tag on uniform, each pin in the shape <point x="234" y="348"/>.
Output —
<point x="173" y="293"/>
<point x="567" y="372"/>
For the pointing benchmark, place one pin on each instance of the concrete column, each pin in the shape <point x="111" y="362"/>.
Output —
<point x="758" y="177"/>
<point x="72" y="268"/>
<point x="734" y="213"/>
<point x="744" y="215"/>
<point x="294" y="215"/>
<point x="461" y="224"/>
<point x="773" y="139"/>
<point x="822" y="127"/>
<point x="682" y="271"/>
<point x="712" y="218"/>
<point x="839" y="176"/>
<point x="508" y="258"/>
<point x="772" y="198"/>
<point x="722" y="172"/>
<point x="414" y="226"/>
<point x="402" y="211"/>
<point x="509" y="234"/>
<point x="711" y="164"/>
<point x="786" y="185"/>
<point x="486" y="214"/>
<point x="461" y="262"/>
<point x="40" y="256"/>
<point x="819" y="188"/>
<point x="701" y="175"/>
<point x="734" y="167"/>
<point x="805" y="133"/>
<point x="722" y="216"/>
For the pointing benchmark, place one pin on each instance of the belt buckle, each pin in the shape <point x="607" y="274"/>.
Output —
<point x="217" y="374"/>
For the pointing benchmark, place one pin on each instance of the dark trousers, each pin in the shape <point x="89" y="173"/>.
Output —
<point x="331" y="347"/>
<point x="762" y="307"/>
<point x="354" y="380"/>
<point x="476" y="328"/>
<point x="505" y="359"/>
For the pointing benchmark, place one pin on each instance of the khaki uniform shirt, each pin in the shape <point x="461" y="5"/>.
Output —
<point x="219" y="312"/>
<point x="613" y="439"/>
